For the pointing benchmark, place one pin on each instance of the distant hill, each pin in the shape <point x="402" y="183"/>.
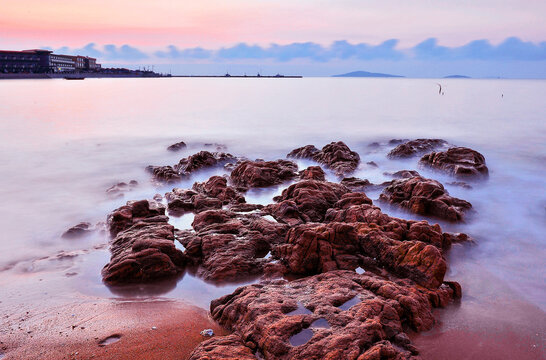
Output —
<point x="367" y="74"/>
<point x="457" y="77"/>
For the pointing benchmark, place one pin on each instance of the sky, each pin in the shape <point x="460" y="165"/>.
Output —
<point x="423" y="38"/>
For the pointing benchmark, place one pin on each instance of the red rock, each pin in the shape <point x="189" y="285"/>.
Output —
<point x="261" y="316"/>
<point x="143" y="247"/>
<point x="305" y="201"/>
<point x="251" y="174"/>
<point x="230" y="246"/>
<point x="212" y="194"/>
<point x="458" y="161"/>
<point x="312" y="173"/>
<point x="336" y="155"/>
<point x="202" y="159"/>
<point x="129" y="214"/>
<point x="425" y="197"/>
<point x="164" y="174"/>
<point x="415" y="147"/>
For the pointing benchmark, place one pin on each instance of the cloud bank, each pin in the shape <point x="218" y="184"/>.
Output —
<point x="511" y="49"/>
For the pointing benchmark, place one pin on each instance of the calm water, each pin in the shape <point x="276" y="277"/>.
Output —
<point x="63" y="143"/>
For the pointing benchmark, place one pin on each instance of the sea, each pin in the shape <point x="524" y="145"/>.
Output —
<point x="64" y="143"/>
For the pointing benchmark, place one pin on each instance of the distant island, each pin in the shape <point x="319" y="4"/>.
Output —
<point x="457" y="77"/>
<point x="367" y="74"/>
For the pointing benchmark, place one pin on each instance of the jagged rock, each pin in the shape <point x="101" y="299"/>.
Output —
<point x="403" y="174"/>
<point x="336" y="155"/>
<point x="304" y="152"/>
<point x="251" y="174"/>
<point x="211" y="194"/>
<point x="415" y="147"/>
<point x="337" y="315"/>
<point x="229" y="347"/>
<point x="77" y="231"/>
<point x="458" y="161"/>
<point x="129" y="214"/>
<point x="202" y="159"/>
<point x="306" y="201"/>
<point x="229" y="246"/>
<point x="178" y="146"/>
<point x="425" y="197"/>
<point x="164" y="174"/>
<point x="312" y="173"/>
<point x="143" y="247"/>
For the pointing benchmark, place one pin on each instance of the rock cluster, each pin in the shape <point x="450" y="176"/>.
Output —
<point x="336" y="155"/>
<point x="211" y="194"/>
<point x="362" y="275"/>
<point x="425" y="197"/>
<point x="415" y="147"/>
<point x="458" y="161"/>
<point x="143" y="247"/>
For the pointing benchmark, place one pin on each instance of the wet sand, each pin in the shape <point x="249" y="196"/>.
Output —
<point x="490" y="322"/>
<point x="161" y="329"/>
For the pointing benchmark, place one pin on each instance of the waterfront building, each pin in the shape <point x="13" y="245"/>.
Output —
<point x="44" y="61"/>
<point x="19" y="62"/>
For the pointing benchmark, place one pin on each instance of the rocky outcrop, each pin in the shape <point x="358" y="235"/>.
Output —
<point x="425" y="197"/>
<point x="201" y="160"/>
<point x="131" y="213"/>
<point x="164" y="174"/>
<point x="251" y="174"/>
<point x="177" y="147"/>
<point x="335" y="315"/>
<point x="336" y="155"/>
<point x="230" y="246"/>
<point x="415" y="147"/>
<point x="306" y="201"/>
<point x="143" y="245"/>
<point x="461" y="162"/>
<point x="211" y="194"/>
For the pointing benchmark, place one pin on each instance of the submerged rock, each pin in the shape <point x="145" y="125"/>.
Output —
<point x="178" y="146"/>
<point x="356" y="184"/>
<point x="143" y="245"/>
<point x="250" y="174"/>
<point x="77" y="231"/>
<point x="425" y="197"/>
<point x="415" y="147"/>
<point x="336" y="155"/>
<point x="120" y="188"/>
<point x="164" y="174"/>
<point x="260" y="316"/>
<point x="458" y="161"/>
